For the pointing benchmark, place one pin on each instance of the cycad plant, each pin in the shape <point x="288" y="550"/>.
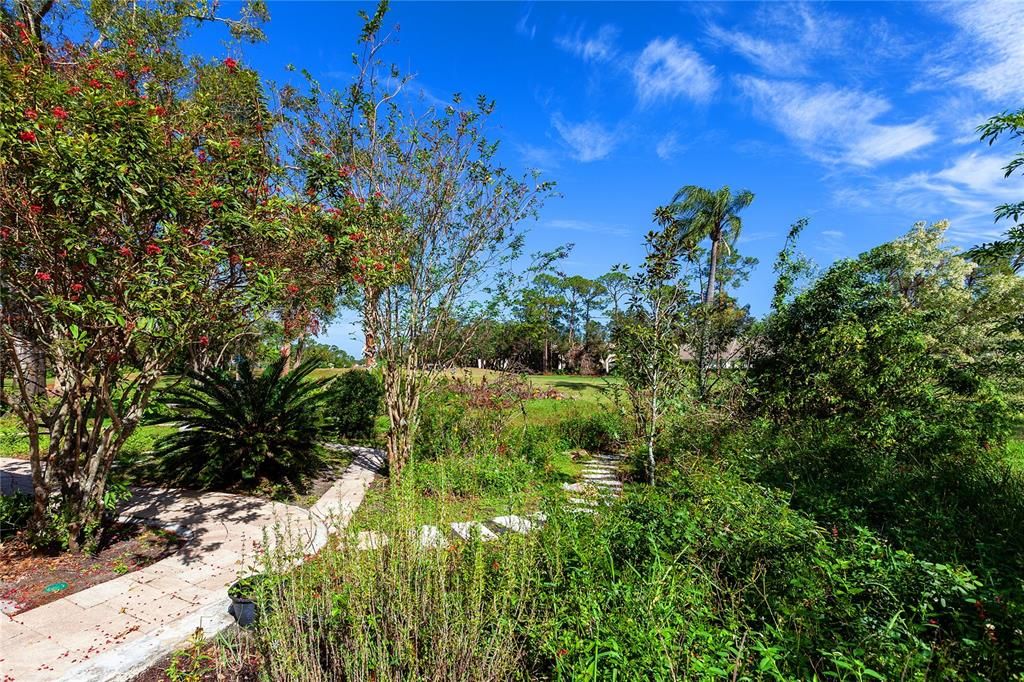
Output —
<point x="241" y="428"/>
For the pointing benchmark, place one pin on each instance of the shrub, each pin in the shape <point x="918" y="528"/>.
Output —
<point x="398" y="612"/>
<point x="598" y="432"/>
<point x="353" y="402"/>
<point x="15" y="510"/>
<point x="241" y="429"/>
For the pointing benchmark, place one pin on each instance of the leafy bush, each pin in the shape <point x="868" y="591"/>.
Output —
<point x="352" y="404"/>
<point x="15" y="510"/>
<point x="709" y="576"/>
<point x="397" y="612"/>
<point x="597" y="432"/>
<point x="241" y="429"/>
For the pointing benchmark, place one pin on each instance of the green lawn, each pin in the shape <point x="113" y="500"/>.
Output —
<point x="1015" y="453"/>
<point x="14" y="442"/>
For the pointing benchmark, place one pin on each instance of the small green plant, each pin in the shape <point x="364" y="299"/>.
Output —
<point x="352" y="404"/>
<point x="15" y="511"/>
<point x="239" y="429"/>
<point x="120" y="566"/>
<point x="192" y="663"/>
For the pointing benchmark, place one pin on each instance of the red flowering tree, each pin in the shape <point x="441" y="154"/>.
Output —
<point x="431" y="215"/>
<point x="136" y="204"/>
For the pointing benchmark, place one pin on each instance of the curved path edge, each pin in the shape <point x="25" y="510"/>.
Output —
<point x="115" y="630"/>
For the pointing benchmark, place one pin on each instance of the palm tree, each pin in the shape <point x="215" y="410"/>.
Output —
<point x="696" y="214"/>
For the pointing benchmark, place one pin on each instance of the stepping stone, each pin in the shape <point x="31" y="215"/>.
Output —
<point x="516" y="524"/>
<point x="574" y="487"/>
<point x="371" y="539"/>
<point x="539" y="517"/>
<point x="431" y="536"/>
<point x="579" y="501"/>
<point x="464" y="529"/>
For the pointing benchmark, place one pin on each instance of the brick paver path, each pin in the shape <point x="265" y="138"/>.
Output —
<point x="115" y="630"/>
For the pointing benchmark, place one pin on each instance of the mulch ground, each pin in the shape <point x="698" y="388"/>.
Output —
<point x="25" y="573"/>
<point x="202" y="663"/>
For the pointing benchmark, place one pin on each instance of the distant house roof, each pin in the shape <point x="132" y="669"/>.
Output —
<point x="731" y="352"/>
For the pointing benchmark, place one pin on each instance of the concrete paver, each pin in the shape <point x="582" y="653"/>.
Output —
<point x="114" y="630"/>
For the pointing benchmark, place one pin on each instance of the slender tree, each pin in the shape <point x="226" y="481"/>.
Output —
<point x="696" y="214"/>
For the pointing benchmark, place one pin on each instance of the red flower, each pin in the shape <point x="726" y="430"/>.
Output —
<point x="31" y="114"/>
<point x="74" y="90"/>
<point x="379" y="266"/>
<point x="346" y="171"/>
<point x="60" y="113"/>
<point x="216" y="203"/>
<point x="27" y="136"/>
<point x="204" y="341"/>
<point x="205" y="242"/>
<point x="36" y="208"/>
<point x="378" y="194"/>
<point x="356" y="236"/>
<point x="234" y="259"/>
<point x="152" y="249"/>
<point x="146" y="69"/>
<point x="43" y="276"/>
<point x="563" y="652"/>
<point x="77" y="287"/>
<point x="125" y="251"/>
<point x="329" y="238"/>
<point x="119" y="74"/>
<point x="232" y="64"/>
<point x="5" y="232"/>
<point x="292" y="289"/>
<point x="93" y="83"/>
<point x="235" y="144"/>
<point x="359" y="279"/>
<point x="157" y="111"/>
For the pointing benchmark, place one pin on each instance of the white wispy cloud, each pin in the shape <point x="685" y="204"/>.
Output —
<point x="574" y="225"/>
<point x="832" y="243"/>
<point x="833" y="124"/>
<point x="588" y="140"/>
<point x="789" y="36"/>
<point x="537" y="157"/>
<point x="668" y="147"/>
<point x="525" y="27"/>
<point x="965" y="191"/>
<point x="993" y="47"/>
<point x="599" y="47"/>
<point x="667" y="69"/>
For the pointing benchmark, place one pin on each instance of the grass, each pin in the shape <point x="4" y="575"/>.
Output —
<point x="1015" y="453"/>
<point x="14" y="440"/>
<point x="441" y="507"/>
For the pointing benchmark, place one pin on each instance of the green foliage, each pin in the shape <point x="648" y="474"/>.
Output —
<point x="890" y="349"/>
<point x="327" y="355"/>
<point x="601" y="431"/>
<point x="239" y="429"/>
<point x="15" y="510"/>
<point x="397" y="612"/>
<point x="353" y="403"/>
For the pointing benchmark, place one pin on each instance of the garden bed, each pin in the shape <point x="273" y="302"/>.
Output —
<point x="31" y="578"/>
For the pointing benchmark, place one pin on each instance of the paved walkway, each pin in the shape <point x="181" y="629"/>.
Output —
<point x="115" y="630"/>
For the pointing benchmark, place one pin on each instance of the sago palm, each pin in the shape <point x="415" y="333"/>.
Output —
<point x="241" y="428"/>
<point x="697" y="213"/>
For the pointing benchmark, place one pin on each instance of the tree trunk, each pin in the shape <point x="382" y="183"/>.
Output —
<point x="401" y="397"/>
<point x="709" y="295"/>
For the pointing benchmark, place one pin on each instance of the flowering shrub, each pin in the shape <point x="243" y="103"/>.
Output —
<point x="133" y="227"/>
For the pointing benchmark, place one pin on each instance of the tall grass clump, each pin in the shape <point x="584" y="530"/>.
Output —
<point x="396" y="610"/>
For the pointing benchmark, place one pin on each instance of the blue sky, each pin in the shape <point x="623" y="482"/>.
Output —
<point x="860" y="116"/>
